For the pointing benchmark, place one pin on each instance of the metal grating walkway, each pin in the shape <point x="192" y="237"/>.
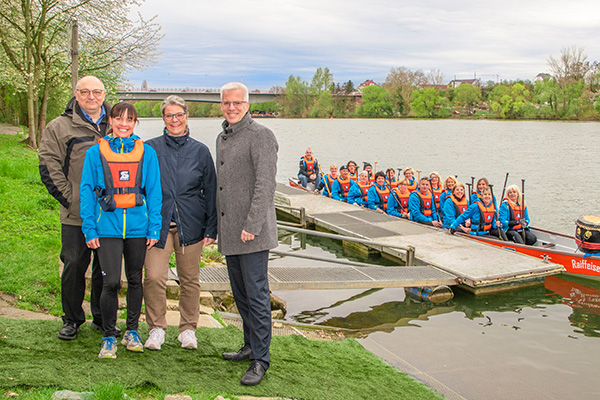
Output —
<point x="342" y="277"/>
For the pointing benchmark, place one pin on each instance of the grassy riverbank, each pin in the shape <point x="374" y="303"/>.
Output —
<point x="35" y="363"/>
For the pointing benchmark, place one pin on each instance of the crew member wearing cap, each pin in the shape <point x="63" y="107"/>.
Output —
<point x="341" y="186"/>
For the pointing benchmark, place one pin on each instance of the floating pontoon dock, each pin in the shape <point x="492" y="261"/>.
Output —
<point x="477" y="267"/>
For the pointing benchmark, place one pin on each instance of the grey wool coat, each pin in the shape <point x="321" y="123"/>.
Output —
<point x="246" y="171"/>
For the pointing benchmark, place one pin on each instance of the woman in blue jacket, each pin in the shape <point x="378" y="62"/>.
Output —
<point x="358" y="193"/>
<point x="482" y="214"/>
<point x="514" y="217"/>
<point x="120" y="208"/>
<point x="377" y="196"/>
<point x="449" y="184"/>
<point x="456" y="204"/>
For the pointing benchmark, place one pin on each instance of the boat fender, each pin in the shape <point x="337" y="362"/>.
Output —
<point x="430" y="294"/>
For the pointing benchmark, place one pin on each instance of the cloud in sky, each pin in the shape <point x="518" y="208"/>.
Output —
<point x="208" y="43"/>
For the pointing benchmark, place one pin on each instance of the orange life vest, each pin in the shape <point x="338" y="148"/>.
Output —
<point x="425" y="200"/>
<point x="353" y="176"/>
<point x="392" y="182"/>
<point x="412" y="186"/>
<point x="436" y="195"/>
<point x="329" y="183"/>
<point x="516" y="213"/>
<point x="309" y="165"/>
<point x="364" y="189"/>
<point x="122" y="176"/>
<point x="402" y="200"/>
<point x="459" y="206"/>
<point x="383" y="196"/>
<point x="344" y="185"/>
<point x="486" y="217"/>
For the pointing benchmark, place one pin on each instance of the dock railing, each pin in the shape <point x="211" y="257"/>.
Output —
<point x="301" y="211"/>
<point x="410" y="250"/>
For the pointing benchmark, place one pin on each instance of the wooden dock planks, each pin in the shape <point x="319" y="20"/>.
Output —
<point x="476" y="264"/>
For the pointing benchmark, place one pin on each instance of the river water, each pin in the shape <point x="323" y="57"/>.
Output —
<point x="540" y="342"/>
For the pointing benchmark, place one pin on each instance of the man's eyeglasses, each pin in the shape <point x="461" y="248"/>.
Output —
<point x="236" y="104"/>
<point x="173" y="116"/>
<point x="86" y="92"/>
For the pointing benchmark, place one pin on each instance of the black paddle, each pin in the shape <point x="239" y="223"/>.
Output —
<point x="523" y="208"/>
<point x="501" y="233"/>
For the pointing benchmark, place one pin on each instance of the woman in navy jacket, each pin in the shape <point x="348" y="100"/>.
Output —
<point x="189" y="222"/>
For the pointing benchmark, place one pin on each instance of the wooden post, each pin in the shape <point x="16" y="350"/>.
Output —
<point x="74" y="53"/>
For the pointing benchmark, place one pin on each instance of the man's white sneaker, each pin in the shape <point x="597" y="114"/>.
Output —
<point x="156" y="339"/>
<point x="188" y="339"/>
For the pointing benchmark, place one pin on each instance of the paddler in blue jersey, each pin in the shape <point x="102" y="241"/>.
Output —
<point x="352" y="170"/>
<point x="341" y="186"/>
<point x="377" y="196"/>
<point x="454" y="205"/>
<point x="514" y="216"/>
<point x="422" y="205"/>
<point x="409" y="174"/>
<point x="449" y="184"/>
<point x="358" y="193"/>
<point x="482" y="214"/>
<point x="327" y="181"/>
<point x="398" y="200"/>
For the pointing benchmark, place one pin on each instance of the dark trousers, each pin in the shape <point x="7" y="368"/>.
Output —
<point x="76" y="257"/>
<point x="111" y="253"/>
<point x="517" y="237"/>
<point x="250" y="286"/>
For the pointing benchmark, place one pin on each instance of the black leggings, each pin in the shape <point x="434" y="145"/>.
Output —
<point x="110" y="255"/>
<point x="517" y="237"/>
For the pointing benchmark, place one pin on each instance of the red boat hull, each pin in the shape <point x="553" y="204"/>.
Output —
<point x="574" y="263"/>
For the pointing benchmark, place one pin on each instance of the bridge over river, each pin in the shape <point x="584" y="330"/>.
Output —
<point x="206" y="97"/>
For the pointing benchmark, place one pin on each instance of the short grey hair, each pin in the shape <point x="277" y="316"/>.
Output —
<point x="173" y="100"/>
<point x="232" y="86"/>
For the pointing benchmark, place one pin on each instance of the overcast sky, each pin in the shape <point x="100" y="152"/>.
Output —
<point x="262" y="43"/>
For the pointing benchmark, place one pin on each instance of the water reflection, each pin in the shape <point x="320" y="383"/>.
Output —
<point x="582" y="298"/>
<point x="389" y="315"/>
<point x="367" y="311"/>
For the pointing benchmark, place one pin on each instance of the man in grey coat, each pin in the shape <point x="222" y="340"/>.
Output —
<point x="247" y="225"/>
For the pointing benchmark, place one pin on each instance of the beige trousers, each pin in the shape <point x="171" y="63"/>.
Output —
<point x="155" y="283"/>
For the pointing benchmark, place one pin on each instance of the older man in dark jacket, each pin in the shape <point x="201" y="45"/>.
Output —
<point x="62" y="152"/>
<point x="246" y="171"/>
<point x="188" y="180"/>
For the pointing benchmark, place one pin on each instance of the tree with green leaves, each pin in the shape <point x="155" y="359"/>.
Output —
<point x="34" y="38"/>
<point x="401" y="82"/>
<point x="429" y="103"/>
<point x="560" y="101"/>
<point x="323" y="105"/>
<point x="376" y="103"/>
<point x="467" y="96"/>
<point x="509" y="101"/>
<point x="297" y="99"/>
<point x="348" y="87"/>
<point x="322" y="80"/>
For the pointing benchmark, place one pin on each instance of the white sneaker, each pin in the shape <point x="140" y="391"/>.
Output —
<point x="156" y="339"/>
<point x="188" y="339"/>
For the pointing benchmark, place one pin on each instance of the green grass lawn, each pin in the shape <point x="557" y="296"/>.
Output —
<point x="34" y="363"/>
<point x="32" y="356"/>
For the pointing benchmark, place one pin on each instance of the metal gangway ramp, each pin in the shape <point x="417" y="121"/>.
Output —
<point x="336" y="277"/>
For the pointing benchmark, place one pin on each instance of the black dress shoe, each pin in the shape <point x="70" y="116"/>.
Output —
<point x="254" y="375"/>
<point x="68" y="331"/>
<point x="243" y="354"/>
<point x="98" y="327"/>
